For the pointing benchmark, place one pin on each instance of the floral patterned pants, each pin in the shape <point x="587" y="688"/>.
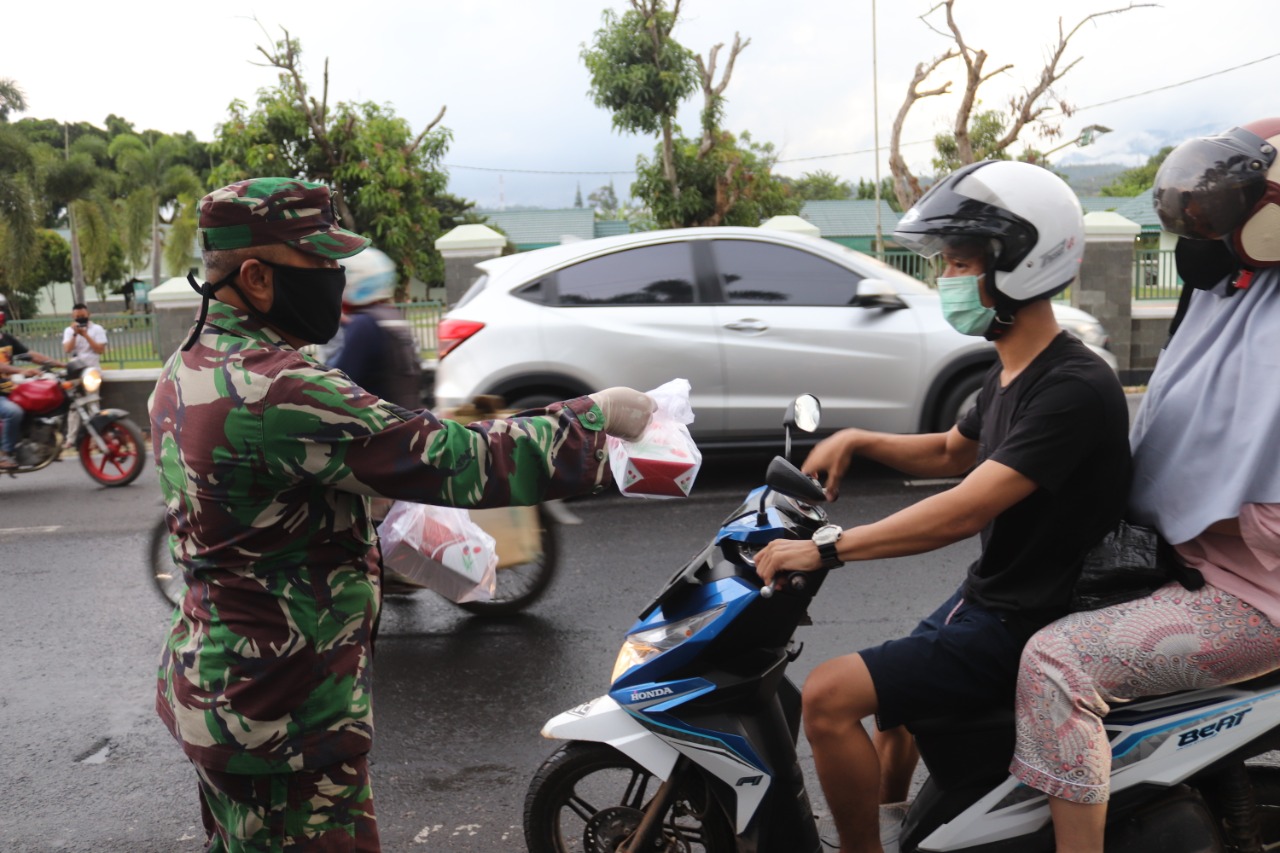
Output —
<point x="1075" y="669"/>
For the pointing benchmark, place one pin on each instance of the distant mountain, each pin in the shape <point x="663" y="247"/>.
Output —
<point x="1090" y="178"/>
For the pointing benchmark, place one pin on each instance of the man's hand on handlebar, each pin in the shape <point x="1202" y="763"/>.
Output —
<point x="831" y="457"/>
<point x="787" y="555"/>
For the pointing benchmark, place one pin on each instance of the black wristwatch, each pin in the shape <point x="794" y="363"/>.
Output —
<point x="825" y="538"/>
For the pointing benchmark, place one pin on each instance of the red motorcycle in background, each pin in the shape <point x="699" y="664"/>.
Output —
<point x="109" y="445"/>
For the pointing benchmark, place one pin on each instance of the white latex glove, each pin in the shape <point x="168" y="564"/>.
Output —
<point x="626" y="411"/>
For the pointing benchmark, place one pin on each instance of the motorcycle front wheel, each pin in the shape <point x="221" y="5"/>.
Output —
<point x="122" y="460"/>
<point x="589" y="798"/>
<point x="518" y="586"/>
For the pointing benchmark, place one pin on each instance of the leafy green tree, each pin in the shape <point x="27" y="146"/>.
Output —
<point x="730" y="184"/>
<point x="821" y="186"/>
<point x="50" y="263"/>
<point x="605" y="201"/>
<point x="866" y="191"/>
<point x="387" y="181"/>
<point x="18" y="211"/>
<point x="1138" y="180"/>
<point x="986" y="131"/>
<point x="641" y="74"/>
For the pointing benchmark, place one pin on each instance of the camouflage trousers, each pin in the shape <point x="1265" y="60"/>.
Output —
<point x="329" y="810"/>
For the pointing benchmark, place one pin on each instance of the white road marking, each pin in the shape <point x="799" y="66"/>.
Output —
<point x="25" y="531"/>
<point x="421" y="837"/>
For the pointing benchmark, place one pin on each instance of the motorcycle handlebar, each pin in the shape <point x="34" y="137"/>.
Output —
<point x="795" y="581"/>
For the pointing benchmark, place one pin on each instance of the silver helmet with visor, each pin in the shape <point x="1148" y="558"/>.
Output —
<point x="1208" y="187"/>
<point x="1027" y="218"/>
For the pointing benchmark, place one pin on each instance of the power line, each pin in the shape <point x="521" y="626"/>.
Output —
<point x="872" y="150"/>
<point x="1176" y="85"/>
<point x="535" y="171"/>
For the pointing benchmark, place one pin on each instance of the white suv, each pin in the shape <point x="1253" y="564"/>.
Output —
<point x="751" y="317"/>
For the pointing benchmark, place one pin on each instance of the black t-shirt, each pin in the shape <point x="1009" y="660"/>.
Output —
<point x="1062" y="423"/>
<point x="9" y="347"/>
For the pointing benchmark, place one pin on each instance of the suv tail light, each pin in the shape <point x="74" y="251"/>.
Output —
<point x="450" y="333"/>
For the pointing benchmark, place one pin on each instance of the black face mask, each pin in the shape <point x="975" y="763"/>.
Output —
<point x="306" y="301"/>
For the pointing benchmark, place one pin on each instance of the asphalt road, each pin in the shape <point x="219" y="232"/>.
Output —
<point x="459" y="700"/>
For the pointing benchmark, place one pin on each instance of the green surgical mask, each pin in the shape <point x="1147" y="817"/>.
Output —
<point x="962" y="305"/>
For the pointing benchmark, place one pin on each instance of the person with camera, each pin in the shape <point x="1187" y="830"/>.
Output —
<point x="84" y="340"/>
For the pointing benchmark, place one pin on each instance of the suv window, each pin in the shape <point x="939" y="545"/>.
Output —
<point x="648" y="275"/>
<point x="753" y="273"/>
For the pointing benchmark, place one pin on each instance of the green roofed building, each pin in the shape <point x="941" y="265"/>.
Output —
<point x="851" y="223"/>
<point x="537" y="229"/>
<point x="1138" y="209"/>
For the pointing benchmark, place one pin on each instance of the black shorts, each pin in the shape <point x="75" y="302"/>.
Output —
<point x="961" y="658"/>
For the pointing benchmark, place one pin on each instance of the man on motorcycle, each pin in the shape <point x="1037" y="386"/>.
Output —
<point x="378" y="348"/>
<point x="1205" y="477"/>
<point x="11" y="412"/>
<point x="1045" y="463"/>
<point x="267" y="462"/>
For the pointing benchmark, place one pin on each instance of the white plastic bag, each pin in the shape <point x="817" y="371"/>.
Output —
<point x="440" y="548"/>
<point x="663" y="462"/>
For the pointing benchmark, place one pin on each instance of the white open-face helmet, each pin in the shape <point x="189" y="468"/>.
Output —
<point x="371" y="277"/>
<point x="1028" y="218"/>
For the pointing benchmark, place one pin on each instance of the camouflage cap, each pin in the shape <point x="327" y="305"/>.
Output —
<point x="267" y="211"/>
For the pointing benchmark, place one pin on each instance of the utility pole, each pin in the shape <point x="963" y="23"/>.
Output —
<point x="875" y="107"/>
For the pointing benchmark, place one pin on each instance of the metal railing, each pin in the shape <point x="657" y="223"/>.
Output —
<point x="1155" y="275"/>
<point x="131" y="340"/>
<point x="423" y="318"/>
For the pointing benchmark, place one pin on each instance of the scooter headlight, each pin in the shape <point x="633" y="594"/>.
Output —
<point x="651" y="642"/>
<point x="92" y="380"/>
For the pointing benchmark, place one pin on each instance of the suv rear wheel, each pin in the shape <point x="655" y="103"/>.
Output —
<point x="960" y="397"/>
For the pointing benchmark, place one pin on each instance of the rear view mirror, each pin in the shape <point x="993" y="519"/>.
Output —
<point x="804" y="413"/>
<point x="873" y="293"/>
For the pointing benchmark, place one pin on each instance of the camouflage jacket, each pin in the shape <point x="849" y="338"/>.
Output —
<point x="267" y="460"/>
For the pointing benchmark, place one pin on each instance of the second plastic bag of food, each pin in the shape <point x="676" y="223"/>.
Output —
<point x="439" y="548"/>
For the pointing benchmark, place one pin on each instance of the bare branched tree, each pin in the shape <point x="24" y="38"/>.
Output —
<point x="1032" y="107"/>
<point x="285" y="57"/>
<point x="712" y="92"/>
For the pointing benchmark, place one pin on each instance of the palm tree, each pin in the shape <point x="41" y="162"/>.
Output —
<point x="12" y="99"/>
<point x="70" y="183"/>
<point x="18" y="219"/>
<point x="154" y="179"/>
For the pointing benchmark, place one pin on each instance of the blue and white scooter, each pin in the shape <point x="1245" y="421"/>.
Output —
<point x="694" y="746"/>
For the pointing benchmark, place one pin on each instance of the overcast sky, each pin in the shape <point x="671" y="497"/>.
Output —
<point x="510" y="75"/>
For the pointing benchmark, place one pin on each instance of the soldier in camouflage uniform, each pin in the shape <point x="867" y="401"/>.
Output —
<point x="267" y="461"/>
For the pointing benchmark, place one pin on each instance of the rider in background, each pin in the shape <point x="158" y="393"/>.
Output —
<point x="1045" y="462"/>
<point x="1205" y="476"/>
<point x="377" y="350"/>
<point x="11" y="412"/>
